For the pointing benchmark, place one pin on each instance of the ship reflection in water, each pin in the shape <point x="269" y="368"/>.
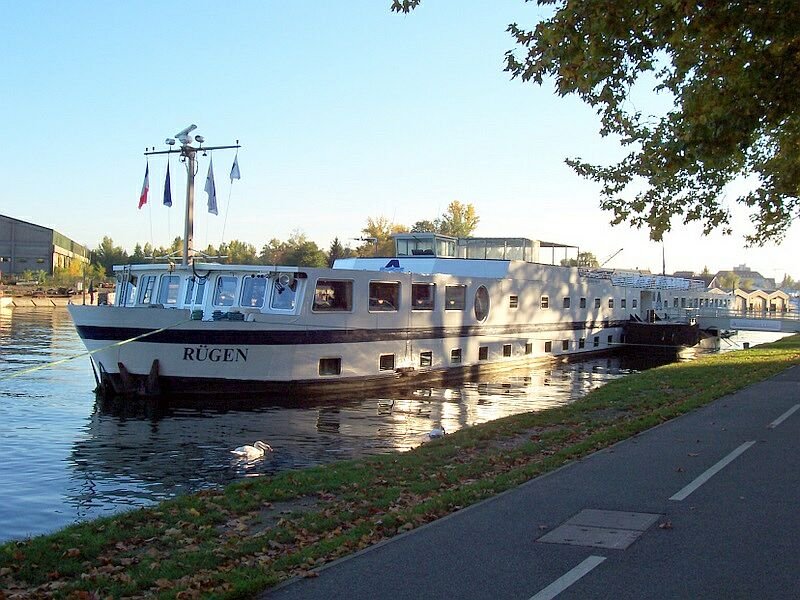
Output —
<point x="133" y="454"/>
<point x="66" y="457"/>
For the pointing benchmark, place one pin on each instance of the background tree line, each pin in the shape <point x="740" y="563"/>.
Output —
<point x="459" y="220"/>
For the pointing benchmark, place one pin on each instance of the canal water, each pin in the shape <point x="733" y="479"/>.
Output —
<point x="65" y="457"/>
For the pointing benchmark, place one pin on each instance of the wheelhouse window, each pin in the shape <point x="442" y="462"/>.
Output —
<point x="513" y="301"/>
<point x="634" y="302"/>
<point x="455" y="297"/>
<point x="528" y="347"/>
<point x="623" y="303"/>
<point x="168" y="289"/>
<point x="506" y="350"/>
<point x="146" y="287"/>
<point x="583" y="302"/>
<point x="225" y="291"/>
<point x="192" y="285"/>
<point x="384" y="296"/>
<point x="610" y="303"/>
<point x="423" y="296"/>
<point x="582" y="343"/>
<point x="596" y="341"/>
<point x="483" y="353"/>
<point x="481" y="304"/>
<point x="284" y="291"/>
<point x="545" y="302"/>
<point x="333" y="295"/>
<point x="565" y="345"/>
<point x="597" y="302"/>
<point x="548" y="346"/>
<point x="455" y="355"/>
<point x="567" y="301"/>
<point x="253" y="291"/>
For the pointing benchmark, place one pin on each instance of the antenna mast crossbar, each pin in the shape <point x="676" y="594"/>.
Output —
<point x="189" y="152"/>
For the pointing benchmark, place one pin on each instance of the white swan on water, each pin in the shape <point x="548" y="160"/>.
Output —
<point x="437" y="432"/>
<point x="257" y="450"/>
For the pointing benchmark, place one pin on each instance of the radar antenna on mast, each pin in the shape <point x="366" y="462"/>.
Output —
<point x="188" y="153"/>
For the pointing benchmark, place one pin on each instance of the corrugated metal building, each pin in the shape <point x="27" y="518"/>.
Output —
<point x="28" y="247"/>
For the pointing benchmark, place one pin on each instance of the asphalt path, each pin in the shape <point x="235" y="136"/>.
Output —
<point x="722" y="486"/>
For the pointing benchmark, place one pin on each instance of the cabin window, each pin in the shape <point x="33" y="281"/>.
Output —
<point x="582" y="343"/>
<point x="548" y="346"/>
<point x="566" y="302"/>
<point x="674" y="303"/>
<point x="565" y="345"/>
<point x="583" y="302"/>
<point x="333" y="295"/>
<point x="146" y="287"/>
<point x="481" y="304"/>
<point x="168" y="290"/>
<point x="545" y="302"/>
<point x="506" y="350"/>
<point x="425" y="358"/>
<point x="384" y="296"/>
<point x="423" y="296"/>
<point x="483" y="353"/>
<point x="513" y="301"/>
<point x="610" y="340"/>
<point x="634" y="302"/>
<point x="191" y="286"/>
<point x="597" y="302"/>
<point x="455" y="355"/>
<point x="528" y="348"/>
<point x="623" y="303"/>
<point x="387" y="362"/>
<point x="455" y="297"/>
<point x="284" y="291"/>
<point x="330" y="366"/>
<point x="683" y="302"/>
<point x="596" y="341"/>
<point x="610" y="303"/>
<point x="253" y="291"/>
<point x="225" y="291"/>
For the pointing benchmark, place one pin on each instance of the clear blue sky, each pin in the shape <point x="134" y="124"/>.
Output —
<point x="344" y="111"/>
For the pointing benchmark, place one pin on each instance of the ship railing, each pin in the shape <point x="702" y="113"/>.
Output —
<point x="661" y="282"/>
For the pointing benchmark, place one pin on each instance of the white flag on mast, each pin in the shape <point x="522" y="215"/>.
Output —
<point x="235" y="169"/>
<point x="211" y="189"/>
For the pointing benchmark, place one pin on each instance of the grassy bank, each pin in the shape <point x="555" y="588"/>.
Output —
<point x="249" y="536"/>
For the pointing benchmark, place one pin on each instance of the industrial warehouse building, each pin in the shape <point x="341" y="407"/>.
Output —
<point x="28" y="247"/>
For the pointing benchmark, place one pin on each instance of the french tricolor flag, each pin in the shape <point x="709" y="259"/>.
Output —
<point x="145" y="187"/>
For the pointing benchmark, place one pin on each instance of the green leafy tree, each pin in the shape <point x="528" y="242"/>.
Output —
<point x="273" y="253"/>
<point x="584" y="259"/>
<point x="729" y="280"/>
<point x="730" y="70"/>
<point x="108" y="255"/>
<point x="238" y="253"/>
<point x="459" y="220"/>
<point x="425" y="226"/>
<point x="378" y="237"/>
<point x="138" y="255"/>
<point x="337" y="250"/>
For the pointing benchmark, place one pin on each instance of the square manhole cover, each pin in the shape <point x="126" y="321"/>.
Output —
<point x="601" y="529"/>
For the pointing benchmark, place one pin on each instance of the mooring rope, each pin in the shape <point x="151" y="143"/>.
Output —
<point x="88" y="352"/>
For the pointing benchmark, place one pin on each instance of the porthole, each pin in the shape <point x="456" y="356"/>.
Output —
<point x="481" y="303"/>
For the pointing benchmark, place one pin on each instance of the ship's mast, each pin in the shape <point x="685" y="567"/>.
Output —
<point x="188" y="154"/>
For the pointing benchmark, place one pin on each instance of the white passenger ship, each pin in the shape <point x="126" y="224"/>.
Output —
<point x="441" y="308"/>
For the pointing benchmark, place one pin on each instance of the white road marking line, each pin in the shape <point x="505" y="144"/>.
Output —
<point x="783" y="417"/>
<point x="568" y="578"/>
<point x="709" y="473"/>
